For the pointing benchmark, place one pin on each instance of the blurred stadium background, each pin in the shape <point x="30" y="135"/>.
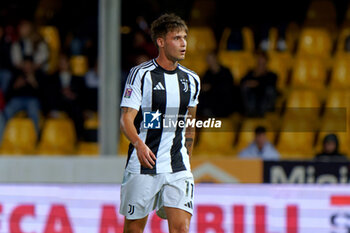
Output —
<point x="62" y="173"/>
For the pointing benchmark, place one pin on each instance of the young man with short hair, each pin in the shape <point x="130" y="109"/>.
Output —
<point x="157" y="174"/>
<point x="260" y="147"/>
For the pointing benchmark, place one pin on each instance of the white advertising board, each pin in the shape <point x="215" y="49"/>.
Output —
<point x="218" y="208"/>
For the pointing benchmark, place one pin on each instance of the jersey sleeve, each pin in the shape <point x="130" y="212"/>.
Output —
<point x="132" y="95"/>
<point x="194" y="95"/>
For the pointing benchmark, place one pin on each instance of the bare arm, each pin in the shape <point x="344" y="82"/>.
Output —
<point x="190" y="131"/>
<point x="144" y="154"/>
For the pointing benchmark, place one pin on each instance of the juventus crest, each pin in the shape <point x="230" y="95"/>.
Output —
<point x="185" y="84"/>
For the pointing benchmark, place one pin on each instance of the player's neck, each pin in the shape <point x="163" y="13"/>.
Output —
<point x="166" y="64"/>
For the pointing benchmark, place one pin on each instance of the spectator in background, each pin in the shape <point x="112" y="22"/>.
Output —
<point x="330" y="147"/>
<point x="79" y="43"/>
<point x="141" y="46"/>
<point x="216" y="97"/>
<point x="30" y="43"/>
<point x="258" y="88"/>
<point x="23" y="95"/>
<point x="64" y="93"/>
<point x="143" y="43"/>
<point x="260" y="147"/>
<point x="91" y="91"/>
<point x="5" y="62"/>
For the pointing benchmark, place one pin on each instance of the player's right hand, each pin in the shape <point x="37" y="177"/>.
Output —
<point x="145" y="155"/>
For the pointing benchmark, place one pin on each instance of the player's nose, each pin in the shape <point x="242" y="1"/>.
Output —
<point x="183" y="43"/>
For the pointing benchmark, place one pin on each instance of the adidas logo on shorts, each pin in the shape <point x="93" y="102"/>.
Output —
<point x="189" y="205"/>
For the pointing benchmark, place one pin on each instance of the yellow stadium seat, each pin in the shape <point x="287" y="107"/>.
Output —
<point x="198" y="48"/>
<point x="301" y="121"/>
<point x="200" y="40"/>
<point x="303" y="106"/>
<point x="52" y="38"/>
<point x="309" y="73"/>
<point x="79" y="65"/>
<point x="322" y="13"/>
<point x="337" y="104"/>
<point x="315" y="42"/>
<point x="238" y="62"/>
<point x="196" y="62"/>
<point x="280" y="63"/>
<point x="19" y="137"/>
<point x="217" y="142"/>
<point x="344" y="33"/>
<point x="334" y="120"/>
<point x="296" y="145"/>
<point x="273" y="39"/>
<point x="338" y="99"/>
<point x="296" y="138"/>
<point x="58" y="137"/>
<point x="248" y="39"/>
<point x="303" y="99"/>
<point x="246" y="134"/>
<point x="88" y="148"/>
<point x="92" y="122"/>
<point x="340" y="78"/>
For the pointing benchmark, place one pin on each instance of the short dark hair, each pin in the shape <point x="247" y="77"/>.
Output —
<point x="164" y="24"/>
<point x="260" y="130"/>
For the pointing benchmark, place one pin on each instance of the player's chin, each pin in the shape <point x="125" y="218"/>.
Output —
<point x="181" y="58"/>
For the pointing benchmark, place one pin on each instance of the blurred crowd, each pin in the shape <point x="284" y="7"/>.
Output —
<point x="27" y="85"/>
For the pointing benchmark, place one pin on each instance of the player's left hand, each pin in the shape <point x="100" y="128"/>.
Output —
<point x="145" y="155"/>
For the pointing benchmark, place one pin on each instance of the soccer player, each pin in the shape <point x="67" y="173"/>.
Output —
<point x="157" y="174"/>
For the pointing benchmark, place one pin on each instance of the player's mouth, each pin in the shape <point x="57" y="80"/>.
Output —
<point x="183" y="52"/>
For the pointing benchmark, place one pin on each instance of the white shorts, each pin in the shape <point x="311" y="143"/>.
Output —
<point x="141" y="193"/>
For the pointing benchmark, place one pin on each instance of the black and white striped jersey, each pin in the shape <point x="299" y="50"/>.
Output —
<point x="161" y="98"/>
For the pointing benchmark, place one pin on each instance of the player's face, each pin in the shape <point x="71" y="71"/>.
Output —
<point x="260" y="140"/>
<point x="330" y="147"/>
<point x="175" y="45"/>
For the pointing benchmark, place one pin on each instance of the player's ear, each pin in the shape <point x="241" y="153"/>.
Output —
<point x="160" y="42"/>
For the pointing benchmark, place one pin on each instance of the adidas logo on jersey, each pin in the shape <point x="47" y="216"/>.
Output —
<point x="159" y="87"/>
